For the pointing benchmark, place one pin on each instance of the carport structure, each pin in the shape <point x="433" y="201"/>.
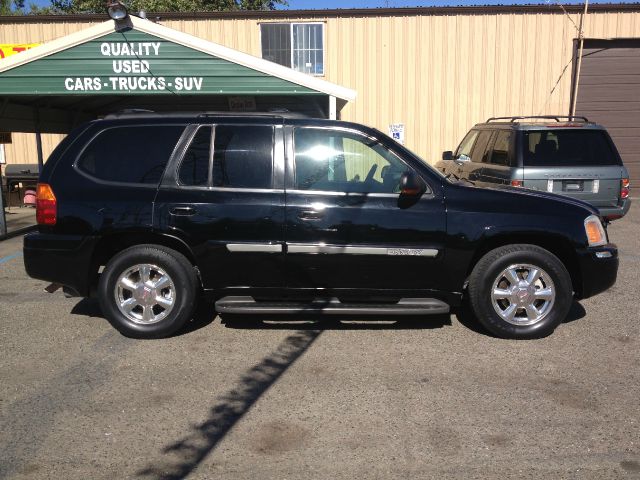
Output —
<point x="140" y="64"/>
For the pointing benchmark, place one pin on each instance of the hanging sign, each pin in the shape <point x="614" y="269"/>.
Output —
<point x="242" y="104"/>
<point x="134" y="62"/>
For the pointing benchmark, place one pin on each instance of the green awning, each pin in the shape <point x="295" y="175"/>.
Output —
<point x="102" y="69"/>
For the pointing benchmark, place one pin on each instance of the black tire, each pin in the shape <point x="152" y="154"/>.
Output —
<point x="181" y="291"/>
<point x="488" y="270"/>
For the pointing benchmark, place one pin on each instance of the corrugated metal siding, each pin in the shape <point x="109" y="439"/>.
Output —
<point x="437" y="74"/>
<point x="23" y="147"/>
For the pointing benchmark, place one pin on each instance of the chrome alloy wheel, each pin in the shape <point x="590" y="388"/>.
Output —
<point x="523" y="294"/>
<point x="145" y="294"/>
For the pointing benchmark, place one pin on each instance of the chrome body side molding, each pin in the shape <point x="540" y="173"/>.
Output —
<point x="352" y="250"/>
<point x="254" y="247"/>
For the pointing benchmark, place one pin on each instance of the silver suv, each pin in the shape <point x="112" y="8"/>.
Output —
<point x="565" y="155"/>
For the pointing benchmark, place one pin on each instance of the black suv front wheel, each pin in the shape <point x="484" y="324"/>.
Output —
<point x="520" y="291"/>
<point x="148" y="291"/>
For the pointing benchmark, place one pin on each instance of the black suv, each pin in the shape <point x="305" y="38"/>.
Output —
<point x="275" y="214"/>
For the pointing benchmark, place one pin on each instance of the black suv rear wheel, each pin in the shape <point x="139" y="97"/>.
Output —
<point x="148" y="291"/>
<point x="520" y="291"/>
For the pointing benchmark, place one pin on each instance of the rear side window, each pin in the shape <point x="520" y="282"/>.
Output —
<point x="194" y="169"/>
<point x="555" y="148"/>
<point x="130" y="154"/>
<point x="481" y="148"/>
<point x="500" y="153"/>
<point x="243" y="156"/>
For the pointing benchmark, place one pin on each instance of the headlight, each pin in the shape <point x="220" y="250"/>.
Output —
<point x="595" y="231"/>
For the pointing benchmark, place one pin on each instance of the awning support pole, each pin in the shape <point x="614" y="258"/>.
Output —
<point x="3" y="221"/>
<point x="39" y="141"/>
<point x="333" y="114"/>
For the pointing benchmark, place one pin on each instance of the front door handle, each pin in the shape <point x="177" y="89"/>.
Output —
<point x="310" y="215"/>
<point x="183" y="211"/>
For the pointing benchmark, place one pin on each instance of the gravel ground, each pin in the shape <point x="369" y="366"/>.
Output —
<point x="247" y="399"/>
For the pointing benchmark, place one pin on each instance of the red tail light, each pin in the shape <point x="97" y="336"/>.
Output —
<point x="46" y="205"/>
<point x="516" y="183"/>
<point x="625" y="186"/>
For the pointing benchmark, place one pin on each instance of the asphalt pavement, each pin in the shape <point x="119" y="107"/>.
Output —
<point x="236" y="398"/>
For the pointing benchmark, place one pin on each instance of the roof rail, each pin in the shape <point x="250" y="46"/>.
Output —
<point x="127" y="112"/>
<point x="547" y="117"/>
<point x="274" y="113"/>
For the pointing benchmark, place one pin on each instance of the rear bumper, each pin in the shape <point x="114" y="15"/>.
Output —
<point x="599" y="269"/>
<point x="63" y="259"/>
<point x="620" y="211"/>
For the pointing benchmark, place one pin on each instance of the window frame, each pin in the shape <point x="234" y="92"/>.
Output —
<point x="291" y="165"/>
<point x="194" y="128"/>
<point x="292" y="45"/>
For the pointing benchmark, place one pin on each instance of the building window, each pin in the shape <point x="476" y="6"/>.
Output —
<point x="294" y="45"/>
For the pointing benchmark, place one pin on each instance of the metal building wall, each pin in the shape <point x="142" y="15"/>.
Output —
<point x="436" y="73"/>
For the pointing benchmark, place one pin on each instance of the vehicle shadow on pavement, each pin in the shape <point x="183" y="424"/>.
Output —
<point x="180" y="458"/>
<point x="465" y="317"/>
<point x="204" y="315"/>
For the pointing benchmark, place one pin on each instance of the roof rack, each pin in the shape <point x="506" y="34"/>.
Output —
<point x="141" y="112"/>
<point x="545" y="117"/>
<point x="273" y="113"/>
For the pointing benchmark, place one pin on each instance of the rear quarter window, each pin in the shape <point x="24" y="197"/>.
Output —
<point x="130" y="154"/>
<point x="568" y="148"/>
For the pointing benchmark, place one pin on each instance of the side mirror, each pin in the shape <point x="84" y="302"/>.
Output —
<point x="462" y="159"/>
<point x="412" y="185"/>
<point x="447" y="155"/>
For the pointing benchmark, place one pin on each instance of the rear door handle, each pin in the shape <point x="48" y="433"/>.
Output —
<point x="310" y="215"/>
<point x="183" y="211"/>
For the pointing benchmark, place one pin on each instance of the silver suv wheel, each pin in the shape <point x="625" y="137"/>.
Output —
<point x="145" y="293"/>
<point x="523" y="294"/>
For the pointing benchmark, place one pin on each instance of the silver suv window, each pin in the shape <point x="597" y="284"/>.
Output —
<point x="467" y="144"/>
<point x="481" y="149"/>
<point x="500" y="151"/>
<point x="567" y="148"/>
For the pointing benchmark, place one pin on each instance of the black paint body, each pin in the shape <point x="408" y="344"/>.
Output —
<point x="460" y="222"/>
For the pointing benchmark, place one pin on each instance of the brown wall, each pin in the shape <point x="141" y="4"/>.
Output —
<point x="436" y="73"/>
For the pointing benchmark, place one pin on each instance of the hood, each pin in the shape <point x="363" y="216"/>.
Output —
<point x="517" y="197"/>
<point x="548" y="195"/>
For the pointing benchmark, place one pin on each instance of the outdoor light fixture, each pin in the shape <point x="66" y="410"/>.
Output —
<point x="116" y="10"/>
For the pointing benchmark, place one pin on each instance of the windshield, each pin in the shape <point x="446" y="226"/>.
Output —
<point x="568" y="148"/>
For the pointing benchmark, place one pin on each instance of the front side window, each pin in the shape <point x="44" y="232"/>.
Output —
<point x="130" y="154"/>
<point x="242" y="157"/>
<point x="338" y="161"/>
<point x="294" y="45"/>
<point x="467" y="144"/>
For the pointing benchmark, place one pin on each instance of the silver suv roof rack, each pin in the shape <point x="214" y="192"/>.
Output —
<point x="557" y="118"/>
